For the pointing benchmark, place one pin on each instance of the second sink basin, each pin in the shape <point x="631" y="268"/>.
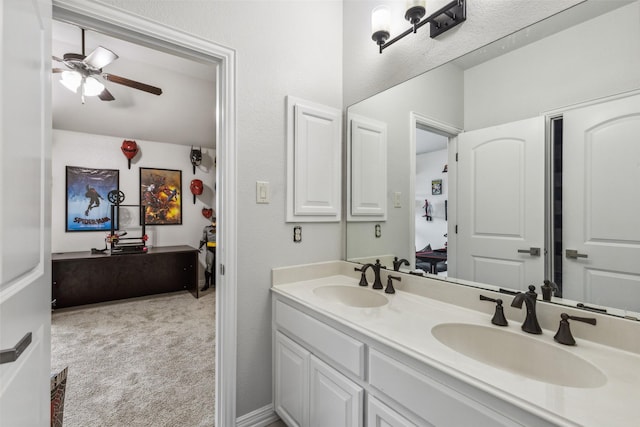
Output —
<point x="351" y="296"/>
<point x="520" y="354"/>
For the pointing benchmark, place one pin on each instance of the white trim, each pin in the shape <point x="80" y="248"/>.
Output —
<point x="117" y="22"/>
<point x="561" y="110"/>
<point x="451" y="132"/>
<point x="261" y="417"/>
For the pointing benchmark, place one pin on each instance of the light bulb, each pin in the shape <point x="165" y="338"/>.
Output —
<point x="92" y="87"/>
<point x="380" y="24"/>
<point x="71" y="80"/>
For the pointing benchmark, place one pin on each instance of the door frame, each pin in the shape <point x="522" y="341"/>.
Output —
<point x="135" y="29"/>
<point x="451" y="132"/>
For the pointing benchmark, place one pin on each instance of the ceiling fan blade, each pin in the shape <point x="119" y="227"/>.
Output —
<point x="105" y="95"/>
<point x="100" y="57"/>
<point x="131" y="83"/>
<point x="55" y="58"/>
<point x="58" y="70"/>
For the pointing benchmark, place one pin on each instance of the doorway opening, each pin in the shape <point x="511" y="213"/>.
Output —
<point x="432" y="145"/>
<point x="431" y="200"/>
<point x="137" y="30"/>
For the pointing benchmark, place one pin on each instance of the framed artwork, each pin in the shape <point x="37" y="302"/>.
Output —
<point x="436" y="186"/>
<point x="161" y="194"/>
<point x="87" y="207"/>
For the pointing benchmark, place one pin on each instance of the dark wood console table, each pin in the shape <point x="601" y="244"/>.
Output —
<point x="82" y="278"/>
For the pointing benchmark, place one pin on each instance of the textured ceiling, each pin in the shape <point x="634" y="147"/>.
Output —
<point x="183" y="114"/>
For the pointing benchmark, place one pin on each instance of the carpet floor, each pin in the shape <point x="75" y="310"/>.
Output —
<point x="140" y="362"/>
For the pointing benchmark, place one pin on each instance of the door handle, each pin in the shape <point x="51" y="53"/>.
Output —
<point x="11" y="354"/>
<point x="530" y="251"/>
<point x="572" y="253"/>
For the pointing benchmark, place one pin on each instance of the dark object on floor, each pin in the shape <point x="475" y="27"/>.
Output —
<point x="58" y="389"/>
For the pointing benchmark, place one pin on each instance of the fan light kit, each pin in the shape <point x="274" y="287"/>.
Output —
<point x="83" y="71"/>
<point x="442" y="20"/>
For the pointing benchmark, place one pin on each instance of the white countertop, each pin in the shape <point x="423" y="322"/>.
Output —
<point x="405" y="322"/>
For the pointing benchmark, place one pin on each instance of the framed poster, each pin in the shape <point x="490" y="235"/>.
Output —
<point x="161" y="194"/>
<point x="87" y="207"/>
<point x="436" y="187"/>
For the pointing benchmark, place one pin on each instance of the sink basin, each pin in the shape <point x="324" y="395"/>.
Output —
<point x="351" y="296"/>
<point x="519" y="354"/>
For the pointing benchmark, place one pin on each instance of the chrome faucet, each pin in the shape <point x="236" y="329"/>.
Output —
<point x="530" y="324"/>
<point x="398" y="262"/>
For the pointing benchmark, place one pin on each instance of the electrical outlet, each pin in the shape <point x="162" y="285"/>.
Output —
<point x="297" y="234"/>
<point x="378" y="230"/>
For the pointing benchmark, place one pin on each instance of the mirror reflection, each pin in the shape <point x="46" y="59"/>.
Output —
<point x="514" y="164"/>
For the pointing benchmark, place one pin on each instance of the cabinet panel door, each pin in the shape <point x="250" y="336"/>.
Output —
<point x="291" y="381"/>
<point x="334" y="400"/>
<point x="380" y="415"/>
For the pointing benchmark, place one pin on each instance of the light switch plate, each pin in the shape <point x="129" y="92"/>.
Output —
<point x="396" y="199"/>
<point x="262" y="192"/>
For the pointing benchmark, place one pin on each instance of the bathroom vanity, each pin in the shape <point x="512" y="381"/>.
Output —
<point x="346" y="355"/>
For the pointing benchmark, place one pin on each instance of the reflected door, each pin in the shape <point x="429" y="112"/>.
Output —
<point x="501" y="204"/>
<point x="601" y="214"/>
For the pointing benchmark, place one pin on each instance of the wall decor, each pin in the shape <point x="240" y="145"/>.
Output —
<point x="161" y="193"/>
<point x="436" y="187"/>
<point x="86" y="204"/>
<point x="129" y="149"/>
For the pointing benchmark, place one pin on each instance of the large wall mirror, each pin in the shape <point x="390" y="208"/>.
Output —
<point x="514" y="164"/>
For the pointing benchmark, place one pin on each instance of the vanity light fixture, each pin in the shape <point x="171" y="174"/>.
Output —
<point x="441" y="21"/>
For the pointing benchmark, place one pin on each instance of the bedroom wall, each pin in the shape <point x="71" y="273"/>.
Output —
<point x="103" y="152"/>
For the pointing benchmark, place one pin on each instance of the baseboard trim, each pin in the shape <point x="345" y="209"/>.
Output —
<point x="261" y="417"/>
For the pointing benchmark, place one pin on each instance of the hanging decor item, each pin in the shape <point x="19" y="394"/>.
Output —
<point x="129" y="149"/>
<point x="196" y="188"/>
<point x="427" y="210"/>
<point x="196" y="158"/>
<point x="207" y="212"/>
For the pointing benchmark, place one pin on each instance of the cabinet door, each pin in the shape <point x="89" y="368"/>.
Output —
<point x="291" y="381"/>
<point x="380" y="415"/>
<point x="334" y="400"/>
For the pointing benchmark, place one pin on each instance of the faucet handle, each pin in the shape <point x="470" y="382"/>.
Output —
<point x="389" y="289"/>
<point x="564" y="336"/>
<point x="498" y="317"/>
<point x="363" y="277"/>
<point x="397" y="263"/>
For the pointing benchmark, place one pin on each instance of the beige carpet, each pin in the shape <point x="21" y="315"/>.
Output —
<point x="142" y="362"/>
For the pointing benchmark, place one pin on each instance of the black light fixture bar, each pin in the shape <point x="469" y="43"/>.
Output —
<point x="442" y="20"/>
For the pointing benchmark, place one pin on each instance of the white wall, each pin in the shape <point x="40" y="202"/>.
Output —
<point x="103" y="152"/>
<point x="367" y="72"/>
<point x="283" y="48"/>
<point x="524" y="83"/>
<point x="429" y="167"/>
<point x="437" y="95"/>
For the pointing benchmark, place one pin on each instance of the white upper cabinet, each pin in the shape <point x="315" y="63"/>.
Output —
<point x="314" y="162"/>
<point x="367" y="169"/>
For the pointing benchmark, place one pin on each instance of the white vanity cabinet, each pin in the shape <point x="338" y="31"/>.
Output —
<point x="325" y="371"/>
<point x="380" y="415"/>
<point x="308" y="392"/>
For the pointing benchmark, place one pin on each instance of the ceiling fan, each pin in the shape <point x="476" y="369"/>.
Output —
<point x="83" y="70"/>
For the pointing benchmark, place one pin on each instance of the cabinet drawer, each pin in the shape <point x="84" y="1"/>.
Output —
<point x="335" y="345"/>
<point x="431" y="400"/>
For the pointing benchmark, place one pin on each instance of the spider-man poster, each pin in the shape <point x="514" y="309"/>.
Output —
<point x="87" y="204"/>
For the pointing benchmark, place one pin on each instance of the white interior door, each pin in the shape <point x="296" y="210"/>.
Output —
<point x="25" y="275"/>
<point x="601" y="220"/>
<point x="501" y="204"/>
